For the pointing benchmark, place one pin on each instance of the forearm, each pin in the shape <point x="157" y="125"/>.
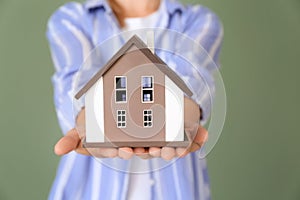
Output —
<point x="69" y="47"/>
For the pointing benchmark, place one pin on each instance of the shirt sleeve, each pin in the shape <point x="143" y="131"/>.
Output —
<point x="69" y="46"/>
<point x="205" y="28"/>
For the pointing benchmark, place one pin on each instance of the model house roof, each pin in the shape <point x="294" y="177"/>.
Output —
<point x="161" y="65"/>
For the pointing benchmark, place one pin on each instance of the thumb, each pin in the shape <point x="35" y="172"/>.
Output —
<point x="201" y="136"/>
<point x="67" y="143"/>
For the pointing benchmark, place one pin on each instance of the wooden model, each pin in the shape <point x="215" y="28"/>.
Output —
<point x="135" y="100"/>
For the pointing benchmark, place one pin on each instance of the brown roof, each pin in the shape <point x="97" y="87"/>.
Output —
<point x="161" y="65"/>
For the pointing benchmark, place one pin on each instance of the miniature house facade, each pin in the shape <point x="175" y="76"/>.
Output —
<point x="134" y="100"/>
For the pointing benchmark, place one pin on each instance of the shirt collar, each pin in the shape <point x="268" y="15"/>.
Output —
<point x="94" y="4"/>
<point x="171" y="5"/>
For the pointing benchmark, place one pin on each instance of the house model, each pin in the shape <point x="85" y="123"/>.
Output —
<point x="135" y="100"/>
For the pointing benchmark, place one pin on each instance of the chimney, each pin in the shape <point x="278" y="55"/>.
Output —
<point x="150" y="40"/>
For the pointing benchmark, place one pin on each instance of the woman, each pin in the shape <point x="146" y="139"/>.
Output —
<point x="73" y="31"/>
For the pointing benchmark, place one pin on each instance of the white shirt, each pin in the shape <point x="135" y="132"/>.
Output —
<point x="140" y="181"/>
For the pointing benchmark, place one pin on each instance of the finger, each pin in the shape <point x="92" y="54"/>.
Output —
<point x="99" y="152"/>
<point x="194" y="147"/>
<point x="103" y="152"/>
<point x="91" y="152"/>
<point x="144" y="156"/>
<point x="67" y="143"/>
<point x="83" y="151"/>
<point x="181" y="152"/>
<point x="168" y="153"/>
<point x="125" y="153"/>
<point x="201" y="136"/>
<point x="155" y="151"/>
<point x="141" y="152"/>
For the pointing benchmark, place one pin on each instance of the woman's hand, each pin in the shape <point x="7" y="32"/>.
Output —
<point x="72" y="140"/>
<point x="169" y="153"/>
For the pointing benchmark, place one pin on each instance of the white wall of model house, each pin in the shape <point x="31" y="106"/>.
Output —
<point x="94" y="113"/>
<point x="174" y="111"/>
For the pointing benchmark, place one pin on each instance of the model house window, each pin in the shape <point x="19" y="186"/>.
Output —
<point x="121" y="118"/>
<point x="148" y="118"/>
<point x="147" y="89"/>
<point x="121" y="88"/>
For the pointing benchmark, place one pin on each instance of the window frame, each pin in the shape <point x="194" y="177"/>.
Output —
<point x="147" y="89"/>
<point x="148" y="115"/>
<point x="120" y="89"/>
<point x="121" y="121"/>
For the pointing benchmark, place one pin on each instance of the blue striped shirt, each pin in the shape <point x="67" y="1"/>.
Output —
<point x="73" y="31"/>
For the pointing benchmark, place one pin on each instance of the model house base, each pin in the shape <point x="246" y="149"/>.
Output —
<point x="187" y="142"/>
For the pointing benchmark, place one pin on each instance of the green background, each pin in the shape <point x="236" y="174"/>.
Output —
<point x="257" y="156"/>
